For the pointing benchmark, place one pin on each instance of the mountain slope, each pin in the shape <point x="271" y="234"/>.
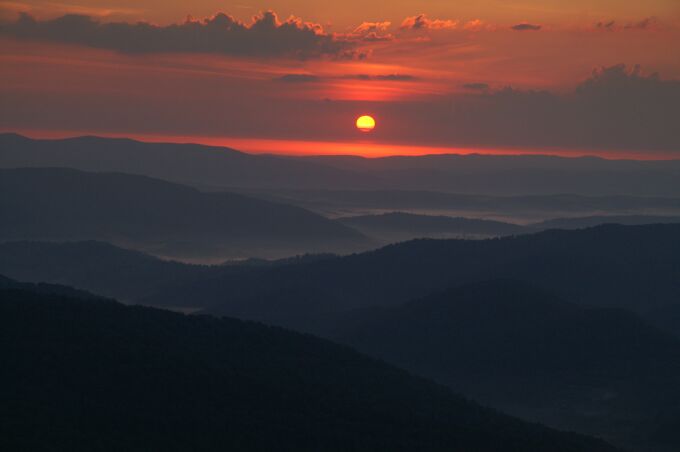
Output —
<point x="98" y="267"/>
<point x="45" y="288"/>
<point x="64" y="204"/>
<point x="95" y="375"/>
<point x="632" y="267"/>
<point x="524" y="350"/>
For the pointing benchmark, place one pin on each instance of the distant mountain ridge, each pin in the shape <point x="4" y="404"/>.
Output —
<point x="401" y="226"/>
<point x="193" y="164"/>
<point x="530" y="208"/>
<point x="224" y="168"/>
<point x="67" y="204"/>
<point x="589" y="222"/>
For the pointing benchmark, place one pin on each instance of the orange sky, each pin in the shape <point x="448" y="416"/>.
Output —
<point x="416" y="81"/>
<point x="349" y="13"/>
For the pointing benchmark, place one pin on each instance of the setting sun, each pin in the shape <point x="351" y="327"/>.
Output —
<point x="365" y="123"/>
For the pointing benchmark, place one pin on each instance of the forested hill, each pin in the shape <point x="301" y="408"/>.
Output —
<point x="94" y="375"/>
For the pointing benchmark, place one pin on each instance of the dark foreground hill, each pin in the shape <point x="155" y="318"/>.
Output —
<point x="523" y="350"/>
<point x="158" y="216"/>
<point x="95" y="375"/>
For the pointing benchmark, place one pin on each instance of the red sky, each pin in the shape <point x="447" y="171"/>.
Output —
<point x="437" y="75"/>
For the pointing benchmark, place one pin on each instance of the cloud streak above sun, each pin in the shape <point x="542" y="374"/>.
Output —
<point x="310" y="78"/>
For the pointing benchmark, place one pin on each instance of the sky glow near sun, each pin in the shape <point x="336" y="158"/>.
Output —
<point x="475" y="75"/>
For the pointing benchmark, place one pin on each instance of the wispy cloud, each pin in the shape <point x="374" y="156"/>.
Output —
<point x="47" y="8"/>
<point x="298" y="78"/>
<point x="310" y="78"/>
<point x="476" y="86"/>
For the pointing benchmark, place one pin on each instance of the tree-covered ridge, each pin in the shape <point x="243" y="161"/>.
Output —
<point x="96" y="375"/>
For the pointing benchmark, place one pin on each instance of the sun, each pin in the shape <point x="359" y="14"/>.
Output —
<point x="365" y="123"/>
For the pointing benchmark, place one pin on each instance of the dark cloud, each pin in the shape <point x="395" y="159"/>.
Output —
<point x="265" y="36"/>
<point x="644" y="24"/>
<point x="298" y="78"/>
<point x="396" y="77"/>
<point x="386" y="77"/>
<point x="476" y="86"/>
<point x="609" y="26"/>
<point x="526" y="27"/>
<point x="309" y="78"/>
<point x="422" y="22"/>
<point x="615" y="108"/>
<point x="649" y="23"/>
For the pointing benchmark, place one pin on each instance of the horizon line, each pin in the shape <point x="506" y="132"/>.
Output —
<point x="371" y="150"/>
